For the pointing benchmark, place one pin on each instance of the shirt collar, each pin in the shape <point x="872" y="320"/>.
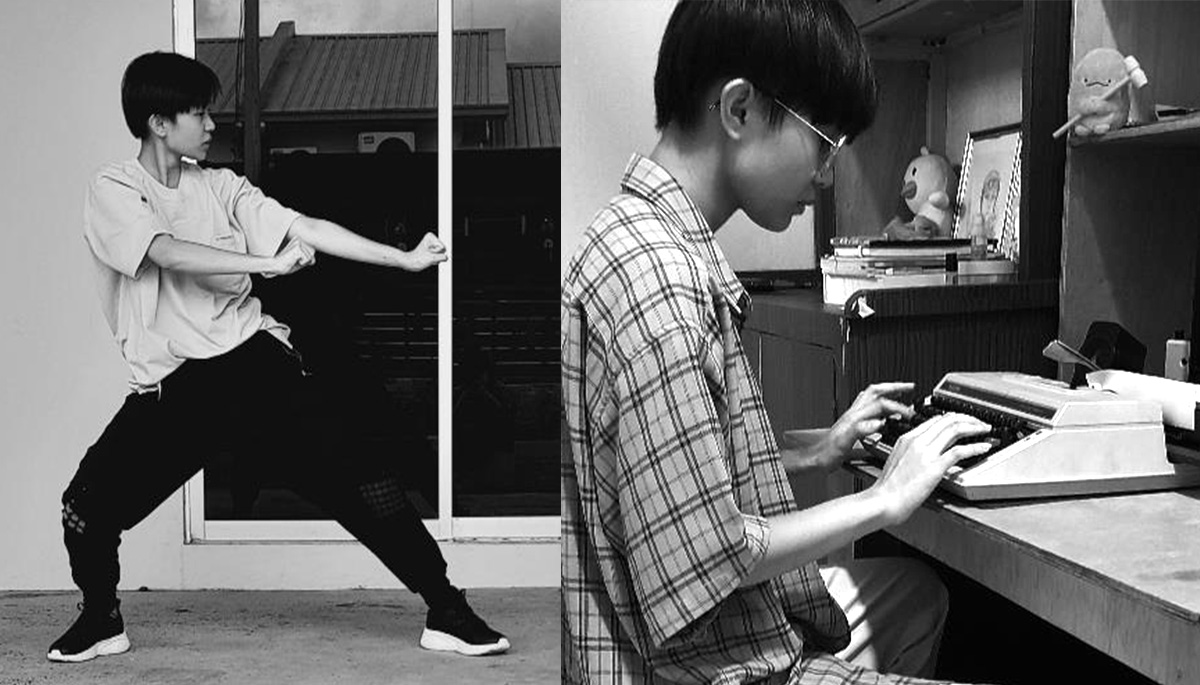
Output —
<point x="647" y="179"/>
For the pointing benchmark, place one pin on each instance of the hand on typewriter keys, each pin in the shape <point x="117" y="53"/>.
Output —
<point x="866" y="415"/>
<point x="920" y="458"/>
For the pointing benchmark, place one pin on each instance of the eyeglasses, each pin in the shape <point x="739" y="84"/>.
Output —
<point x="835" y="146"/>
<point x="201" y="113"/>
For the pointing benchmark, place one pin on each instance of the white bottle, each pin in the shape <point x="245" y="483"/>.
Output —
<point x="1177" y="358"/>
<point x="979" y="241"/>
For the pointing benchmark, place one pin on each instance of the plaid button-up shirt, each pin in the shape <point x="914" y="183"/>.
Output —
<point x="670" y="469"/>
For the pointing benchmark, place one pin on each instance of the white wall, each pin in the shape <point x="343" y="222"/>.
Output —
<point x="983" y="86"/>
<point x="610" y="51"/>
<point x="61" y="374"/>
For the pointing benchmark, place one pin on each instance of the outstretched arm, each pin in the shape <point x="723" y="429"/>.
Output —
<point x="173" y="254"/>
<point x="330" y="238"/>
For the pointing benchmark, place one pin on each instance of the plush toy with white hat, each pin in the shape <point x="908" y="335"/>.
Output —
<point x="926" y="194"/>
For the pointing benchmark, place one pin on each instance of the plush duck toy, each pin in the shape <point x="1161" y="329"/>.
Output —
<point x="924" y="210"/>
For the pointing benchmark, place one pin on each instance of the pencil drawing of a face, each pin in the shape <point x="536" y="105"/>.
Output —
<point x="989" y="196"/>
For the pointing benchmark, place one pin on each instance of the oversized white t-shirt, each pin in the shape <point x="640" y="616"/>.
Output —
<point x="161" y="318"/>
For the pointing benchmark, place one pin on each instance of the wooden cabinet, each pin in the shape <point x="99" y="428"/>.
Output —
<point x="813" y="358"/>
<point x="1131" y="216"/>
<point x="795" y="340"/>
<point x="800" y="382"/>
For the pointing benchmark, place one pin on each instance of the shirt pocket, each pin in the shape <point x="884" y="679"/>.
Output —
<point x="226" y="237"/>
<point x="225" y="234"/>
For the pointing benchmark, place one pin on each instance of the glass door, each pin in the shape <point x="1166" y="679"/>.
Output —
<point x="506" y="374"/>
<point x="347" y="119"/>
<point x="453" y="372"/>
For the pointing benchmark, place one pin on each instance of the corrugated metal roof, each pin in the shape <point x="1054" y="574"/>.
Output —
<point x="533" y="115"/>
<point x="479" y="65"/>
<point x="364" y="73"/>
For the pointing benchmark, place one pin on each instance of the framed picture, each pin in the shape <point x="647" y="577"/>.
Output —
<point x="989" y="188"/>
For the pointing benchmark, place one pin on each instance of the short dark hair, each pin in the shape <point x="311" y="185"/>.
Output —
<point x="167" y="84"/>
<point x="806" y="53"/>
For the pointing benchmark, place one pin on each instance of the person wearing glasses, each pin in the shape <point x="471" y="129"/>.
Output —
<point x="684" y="557"/>
<point x="173" y="245"/>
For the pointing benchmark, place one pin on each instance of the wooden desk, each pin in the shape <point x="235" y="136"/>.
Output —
<point x="1121" y="573"/>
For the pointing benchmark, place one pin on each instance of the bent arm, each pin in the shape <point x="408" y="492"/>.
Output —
<point x="330" y="238"/>
<point x="826" y="449"/>
<point x="173" y="254"/>
<point x="807" y="535"/>
<point x="910" y="474"/>
<point x="808" y="450"/>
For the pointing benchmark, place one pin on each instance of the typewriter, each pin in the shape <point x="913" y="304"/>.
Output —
<point x="1047" y="438"/>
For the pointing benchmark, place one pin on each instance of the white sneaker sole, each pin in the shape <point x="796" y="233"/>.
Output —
<point x="116" y="644"/>
<point x="438" y="641"/>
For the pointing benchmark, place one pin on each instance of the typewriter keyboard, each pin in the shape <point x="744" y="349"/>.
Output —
<point x="1005" y="429"/>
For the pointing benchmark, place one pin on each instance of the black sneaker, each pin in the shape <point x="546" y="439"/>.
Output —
<point x="456" y="628"/>
<point x="94" y="633"/>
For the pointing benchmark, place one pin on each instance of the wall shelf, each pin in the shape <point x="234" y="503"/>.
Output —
<point x="953" y="88"/>
<point x="1176" y="132"/>
<point x="926" y="20"/>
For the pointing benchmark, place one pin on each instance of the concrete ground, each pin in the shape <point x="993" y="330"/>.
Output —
<point x="362" y="637"/>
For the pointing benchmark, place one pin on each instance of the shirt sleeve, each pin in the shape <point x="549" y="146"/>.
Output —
<point x="118" y="224"/>
<point x="688" y="545"/>
<point x="261" y="219"/>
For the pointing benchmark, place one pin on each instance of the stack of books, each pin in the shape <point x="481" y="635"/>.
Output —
<point x="870" y="263"/>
